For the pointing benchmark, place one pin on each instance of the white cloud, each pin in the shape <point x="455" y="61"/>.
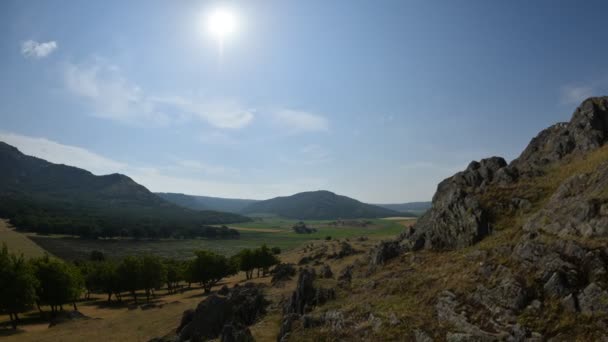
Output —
<point x="218" y="113"/>
<point x="33" y="49"/>
<point x="576" y="94"/>
<point x="298" y="121"/>
<point x="113" y="96"/>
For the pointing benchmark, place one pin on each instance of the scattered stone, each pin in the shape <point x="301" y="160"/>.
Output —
<point x="593" y="299"/>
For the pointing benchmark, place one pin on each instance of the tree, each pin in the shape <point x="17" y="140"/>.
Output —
<point x="264" y="258"/>
<point x="245" y="259"/>
<point x="209" y="268"/>
<point x="17" y="285"/>
<point x="175" y="273"/>
<point x="153" y="274"/>
<point x="59" y="282"/>
<point x="276" y="250"/>
<point x="129" y="275"/>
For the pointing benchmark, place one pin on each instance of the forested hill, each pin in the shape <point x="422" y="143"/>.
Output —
<point x="231" y="205"/>
<point x="50" y="198"/>
<point x="318" y="205"/>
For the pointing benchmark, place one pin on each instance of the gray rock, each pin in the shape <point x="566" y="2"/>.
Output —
<point x="593" y="299"/>
<point x="556" y="286"/>
<point x="569" y="303"/>
<point x="384" y="251"/>
<point x="241" y="307"/>
<point x="236" y="333"/>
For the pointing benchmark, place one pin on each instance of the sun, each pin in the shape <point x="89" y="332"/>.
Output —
<point x="221" y="23"/>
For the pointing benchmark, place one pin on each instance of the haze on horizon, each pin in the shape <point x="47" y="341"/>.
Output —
<point x="377" y="101"/>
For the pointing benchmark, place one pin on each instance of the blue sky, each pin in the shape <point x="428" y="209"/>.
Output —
<point x="374" y="100"/>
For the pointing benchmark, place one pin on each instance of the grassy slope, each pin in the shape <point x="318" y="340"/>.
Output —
<point x="18" y="243"/>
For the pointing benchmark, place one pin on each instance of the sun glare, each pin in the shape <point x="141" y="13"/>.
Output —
<point x="221" y="23"/>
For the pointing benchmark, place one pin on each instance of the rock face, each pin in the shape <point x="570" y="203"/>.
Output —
<point x="456" y="219"/>
<point x="579" y="207"/>
<point x="302" y="299"/>
<point x="240" y="308"/>
<point x="586" y="131"/>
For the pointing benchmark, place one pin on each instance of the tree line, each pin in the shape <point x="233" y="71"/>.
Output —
<point x="55" y="283"/>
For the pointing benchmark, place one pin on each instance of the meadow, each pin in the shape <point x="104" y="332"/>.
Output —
<point x="275" y="232"/>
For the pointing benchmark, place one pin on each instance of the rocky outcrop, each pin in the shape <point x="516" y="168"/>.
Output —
<point x="586" y="131"/>
<point x="456" y="219"/>
<point x="384" y="251"/>
<point x="579" y="207"/>
<point x="240" y="308"/>
<point x="305" y="297"/>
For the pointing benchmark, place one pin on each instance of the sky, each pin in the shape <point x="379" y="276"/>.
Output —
<point x="377" y="100"/>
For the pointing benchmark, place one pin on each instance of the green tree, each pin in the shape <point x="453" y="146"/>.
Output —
<point x="264" y="258"/>
<point x="245" y="259"/>
<point x="209" y="268"/>
<point x="153" y="274"/>
<point x="129" y="275"/>
<point x="59" y="282"/>
<point x="175" y="273"/>
<point x="17" y="285"/>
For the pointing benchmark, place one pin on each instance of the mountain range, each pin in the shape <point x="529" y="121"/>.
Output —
<point x="53" y="198"/>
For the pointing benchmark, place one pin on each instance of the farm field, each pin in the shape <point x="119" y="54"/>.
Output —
<point x="275" y="232"/>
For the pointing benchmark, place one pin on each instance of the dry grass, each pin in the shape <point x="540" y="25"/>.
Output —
<point x="18" y="243"/>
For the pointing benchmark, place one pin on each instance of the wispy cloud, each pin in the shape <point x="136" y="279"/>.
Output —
<point x="160" y="179"/>
<point x="576" y="94"/>
<point x="295" y="121"/>
<point x="112" y="96"/>
<point x="34" y="49"/>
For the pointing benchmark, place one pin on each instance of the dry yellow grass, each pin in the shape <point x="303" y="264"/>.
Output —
<point x="18" y="243"/>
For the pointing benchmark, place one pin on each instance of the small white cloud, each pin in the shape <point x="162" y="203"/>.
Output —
<point x="112" y="96"/>
<point x="576" y="94"/>
<point x="33" y="49"/>
<point x="298" y="121"/>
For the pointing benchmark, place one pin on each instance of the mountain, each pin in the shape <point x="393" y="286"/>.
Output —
<point x="318" y="205"/>
<point x="416" y="208"/>
<point x="231" y="205"/>
<point x="50" y="198"/>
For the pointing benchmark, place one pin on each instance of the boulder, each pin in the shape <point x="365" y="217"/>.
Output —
<point x="241" y="307"/>
<point x="593" y="300"/>
<point x="384" y="251"/>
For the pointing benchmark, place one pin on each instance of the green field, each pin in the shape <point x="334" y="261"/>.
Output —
<point x="271" y="231"/>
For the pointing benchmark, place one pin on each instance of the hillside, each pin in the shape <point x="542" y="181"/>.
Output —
<point x="231" y="205"/>
<point x="318" y="205"/>
<point x="508" y="252"/>
<point x="416" y="208"/>
<point x="49" y="198"/>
